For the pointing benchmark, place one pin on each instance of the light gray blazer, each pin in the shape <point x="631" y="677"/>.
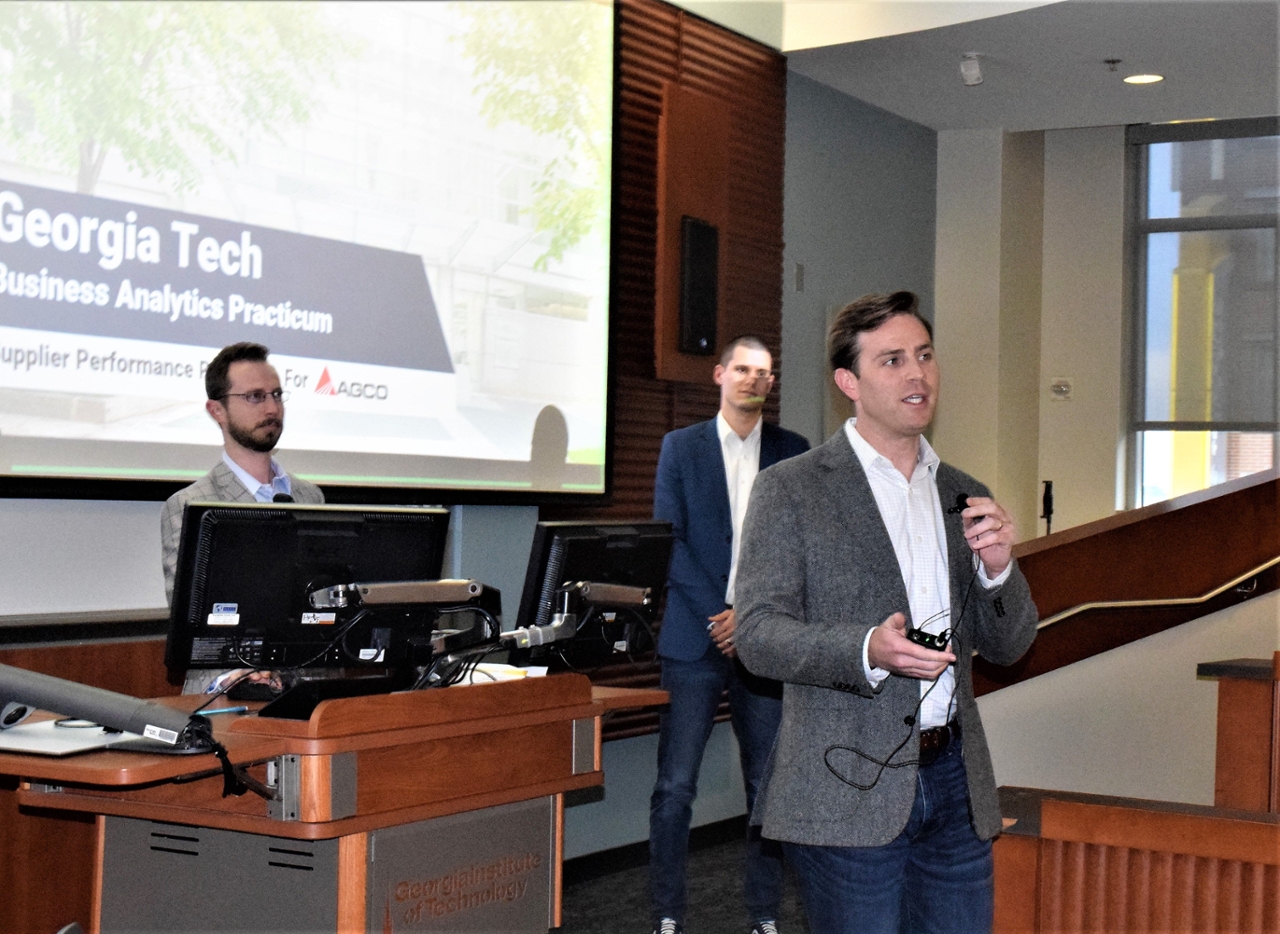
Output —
<point x="219" y="485"/>
<point x="816" y="571"/>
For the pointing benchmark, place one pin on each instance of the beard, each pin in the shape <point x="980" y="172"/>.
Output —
<point x="262" y="438"/>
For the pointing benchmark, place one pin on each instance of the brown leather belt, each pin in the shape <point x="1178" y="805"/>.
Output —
<point x="935" y="739"/>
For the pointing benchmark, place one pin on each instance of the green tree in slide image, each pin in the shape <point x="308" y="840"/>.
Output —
<point x="543" y="72"/>
<point x="161" y="83"/>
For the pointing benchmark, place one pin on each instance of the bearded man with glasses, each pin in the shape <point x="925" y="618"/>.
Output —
<point x="246" y="401"/>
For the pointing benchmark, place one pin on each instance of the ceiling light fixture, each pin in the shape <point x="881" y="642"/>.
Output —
<point x="970" y="69"/>
<point x="1143" y="79"/>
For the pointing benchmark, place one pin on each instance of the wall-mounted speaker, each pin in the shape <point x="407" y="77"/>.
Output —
<point x="699" y="285"/>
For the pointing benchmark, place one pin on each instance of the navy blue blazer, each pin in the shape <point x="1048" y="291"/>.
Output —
<point x="691" y="493"/>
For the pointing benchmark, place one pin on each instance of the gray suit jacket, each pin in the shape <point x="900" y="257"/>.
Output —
<point x="817" y="570"/>
<point x="219" y="485"/>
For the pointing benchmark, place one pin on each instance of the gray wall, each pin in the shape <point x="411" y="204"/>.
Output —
<point x="859" y="214"/>
<point x="67" y="556"/>
<point x="491" y="544"/>
<point x="1134" y="722"/>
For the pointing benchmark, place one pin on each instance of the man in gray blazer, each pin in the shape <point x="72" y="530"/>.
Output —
<point x="246" y="401"/>
<point x="880" y="784"/>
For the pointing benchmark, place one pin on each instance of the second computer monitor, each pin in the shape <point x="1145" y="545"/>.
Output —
<point x="632" y="554"/>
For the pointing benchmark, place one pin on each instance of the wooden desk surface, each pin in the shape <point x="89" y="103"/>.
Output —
<point x="122" y="768"/>
<point x="344" y="724"/>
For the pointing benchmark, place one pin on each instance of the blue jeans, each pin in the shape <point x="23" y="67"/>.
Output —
<point x="934" y="877"/>
<point x="683" y="730"/>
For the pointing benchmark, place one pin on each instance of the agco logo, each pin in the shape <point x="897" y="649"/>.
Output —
<point x="328" y="386"/>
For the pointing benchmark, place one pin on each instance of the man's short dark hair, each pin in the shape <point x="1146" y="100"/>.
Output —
<point x="217" y="382"/>
<point x="750" y="341"/>
<point x="867" y="314"/>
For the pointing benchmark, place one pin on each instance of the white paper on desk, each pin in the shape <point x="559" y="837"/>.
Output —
<point x="489" y="672"/>
<point x="45" y="738"/>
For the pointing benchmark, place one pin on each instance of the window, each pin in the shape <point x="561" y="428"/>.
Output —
<point x="1206" y="406"/>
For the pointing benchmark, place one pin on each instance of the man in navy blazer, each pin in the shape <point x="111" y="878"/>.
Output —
<point x="705" y="474"/>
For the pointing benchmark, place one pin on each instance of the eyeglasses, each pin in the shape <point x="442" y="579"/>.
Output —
<point x="259" y="396"/>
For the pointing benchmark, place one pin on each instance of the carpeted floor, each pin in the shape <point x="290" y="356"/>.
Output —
<point x="608" y="893"/>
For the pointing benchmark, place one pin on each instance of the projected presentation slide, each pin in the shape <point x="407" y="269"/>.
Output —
<point x="408" y="203"/>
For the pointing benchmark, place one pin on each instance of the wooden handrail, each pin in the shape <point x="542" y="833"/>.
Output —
<point x="1167" y="602"/>
<point x="1182" y="547"/>
<point x="1104" y="584"/>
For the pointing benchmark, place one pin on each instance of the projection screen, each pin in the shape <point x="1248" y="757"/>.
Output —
<point x="408" y="203"/>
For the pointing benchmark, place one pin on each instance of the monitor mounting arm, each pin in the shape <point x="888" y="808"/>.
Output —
<point x="571" y="597"/>
<point x="432" y="593"/>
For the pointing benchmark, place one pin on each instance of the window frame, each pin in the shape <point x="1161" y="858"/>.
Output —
<point x="1138" y="227"/>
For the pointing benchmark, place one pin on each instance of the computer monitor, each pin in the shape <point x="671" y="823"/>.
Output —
<point x="245" y="574"/>
<point x="630" y="554"/>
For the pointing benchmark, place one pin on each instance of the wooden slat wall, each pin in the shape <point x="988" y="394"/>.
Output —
<point x="659" y="43"/>
<point x="1077" y="863"/>
<point x="1107" y="888"/>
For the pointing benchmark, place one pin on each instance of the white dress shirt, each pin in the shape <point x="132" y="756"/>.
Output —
<point x="912" y="514"/>
<point x="741" y="464"/>
<point x="262" y="492"/>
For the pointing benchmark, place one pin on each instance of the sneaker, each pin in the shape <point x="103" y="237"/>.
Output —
<point x="669" y="926"/>
<point x="765" y="927"/>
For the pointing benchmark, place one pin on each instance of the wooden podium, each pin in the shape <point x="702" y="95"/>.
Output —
<point x="427" y="811"/>
<point x="1247" y="768"/>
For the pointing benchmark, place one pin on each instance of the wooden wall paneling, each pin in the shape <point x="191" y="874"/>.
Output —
<point x="1154" y="553"/>
<point x="1017" y="868"/>
<point x="692" y="181"/>
<point x="1158" y="551"/>
<point x="1095" y="631"/>
<point x="51" y="862"/>
<point x="661" y="46"/>
<point x="1125" y="865"/>
<point x="135" y="667"/>
<point x="1242" y="776"/>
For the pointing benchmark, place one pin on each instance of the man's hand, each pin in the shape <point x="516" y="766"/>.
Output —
<point x="721" y="631"/>
<point x="270" y="678"/>
<point x="890" y="649"/>
<point x="990" y="532"/>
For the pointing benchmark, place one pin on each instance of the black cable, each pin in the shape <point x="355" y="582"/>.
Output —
<point x="451" y="669"/>
<point x="492" y="628"/>
<point x="910" y="719"/>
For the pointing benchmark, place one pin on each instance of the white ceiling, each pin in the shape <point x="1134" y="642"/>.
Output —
<point x="804" y="24"/>
<point x="1043" y="67"/>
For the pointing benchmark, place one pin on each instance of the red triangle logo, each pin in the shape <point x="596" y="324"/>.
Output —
<point x="325" y="386"/>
